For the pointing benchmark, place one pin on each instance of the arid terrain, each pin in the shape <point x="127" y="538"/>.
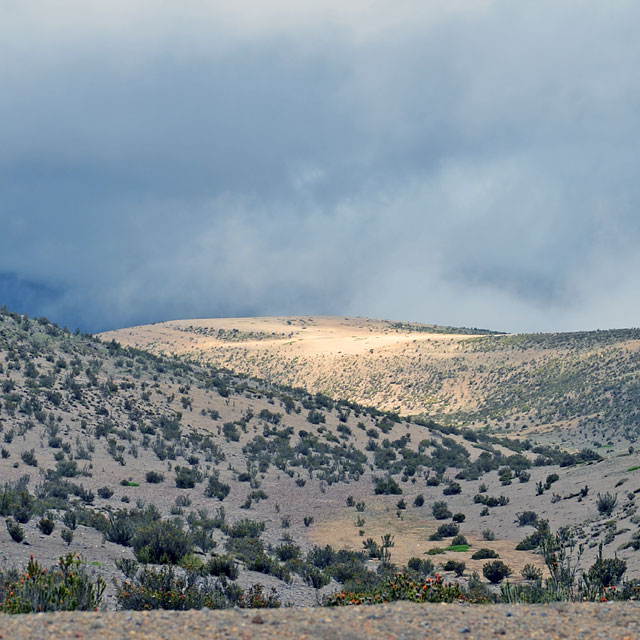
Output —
<point x="136" y="459"/>
<point x="584" y="384"/>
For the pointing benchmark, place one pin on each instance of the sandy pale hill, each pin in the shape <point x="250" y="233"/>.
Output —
<point x="586" y="381"/>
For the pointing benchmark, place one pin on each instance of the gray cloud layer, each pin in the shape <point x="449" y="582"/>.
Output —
<point x="458" y="162"/>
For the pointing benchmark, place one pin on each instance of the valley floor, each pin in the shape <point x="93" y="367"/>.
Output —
<point x="613" y="621"/>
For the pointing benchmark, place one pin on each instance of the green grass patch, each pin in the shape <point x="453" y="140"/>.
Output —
<point x="458" y="547"/>
<point x="634" y="468"/>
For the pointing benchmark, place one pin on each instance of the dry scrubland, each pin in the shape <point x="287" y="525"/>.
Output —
<point x="155" y="468"/>
<point x="585" y="384"/>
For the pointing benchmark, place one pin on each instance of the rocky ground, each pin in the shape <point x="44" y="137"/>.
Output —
<point x="611" y="621"/>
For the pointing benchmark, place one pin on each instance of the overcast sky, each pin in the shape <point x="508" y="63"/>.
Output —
<point x="464" y="162"/>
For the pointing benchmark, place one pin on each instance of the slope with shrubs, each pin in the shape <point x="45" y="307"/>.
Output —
<point x="182" y="485"/>
<point x="584" y="382"/>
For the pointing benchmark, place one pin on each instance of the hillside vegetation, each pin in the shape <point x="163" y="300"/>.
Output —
<point x="586" y="383"/>
<point x="183" y="485"/>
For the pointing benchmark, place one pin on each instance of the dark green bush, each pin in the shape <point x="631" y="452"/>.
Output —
<point x="454" y="565"/>
<point x="222" y="565"/>
<point x="606" y="503"/>
<point x="154" y="477"/>
<point x="15" y="530"/>
<point x="448" y="530"/>
<point x="161" y="542"/>
<point x="105" y="492"/>
<point x="484" y="554"/>
<point x="386" y="486"/>
<point x="246" y="529"/>
<point x="440" y="510"/>
<point x="527" y="519"/>
<point x="46" y="525"/>
<point x="186" y="477"/>
<point x="496" y="571"/>
<point x="216" y="489"/>
<point x="421" y="566"/>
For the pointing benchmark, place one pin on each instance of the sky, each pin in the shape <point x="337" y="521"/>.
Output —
<point x="460" y="162"/>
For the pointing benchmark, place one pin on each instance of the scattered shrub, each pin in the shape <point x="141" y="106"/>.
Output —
<point x="46" y="525"/>
<point x="606" y="503"/>
<point x="15" y="530"/>
<point x="216" y="489"/>
<point x="484" y="554"/>
<point x="105" y="492"/>
<point x="496" y="571"/>
<point x="160" y="542"/>
<point x="454" y="565"/>
<point x="527" y="519"/>
<point x="531" y="572"/>
<point x="440" y="510"/>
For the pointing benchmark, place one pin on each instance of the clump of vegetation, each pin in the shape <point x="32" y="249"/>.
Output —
<point x="606" y="503"/>
<point x="496" y="571"/>
<point x="400" y="587"/>
<point x="440" y="510"/>
<point x="66" y="586"/>
<point x="484" y="554"/>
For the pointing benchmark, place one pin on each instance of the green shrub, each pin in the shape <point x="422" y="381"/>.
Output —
<point x="15" y="530"/>
<point x="606" y="503"/>
<point x="496" y="571"/>
<point x="400" y="587"/>
<point x="46" y="525"/>
<point x="28" y="457"/>
<point x="440" y="510"/>
<point x="105" y="492"/>
<point x="186" y="477"/>
<point x="386" y="486"/>
<point x="421" y="566"/>
<point x="459" y="517"/>
<point x="67" y="536"/>
<point x="527" y="519"/>
<point x="454" y="565"/>
<point x="64" y="587"/>
<point x="161" y="542"/>
<point x="154" y="477"/>
<point x="246" y="529"/>
<point x="452" y="489"/>
<point x="484" y="554"/>
<point x="216" y="489"/>
<point x="164" y="589"/>
<point x="531" y="572"/>
<point x="448" y="530"/>
<point x="223" y="565"/>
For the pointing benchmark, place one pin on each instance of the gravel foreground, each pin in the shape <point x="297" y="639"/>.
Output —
<point x="613" y="621"/>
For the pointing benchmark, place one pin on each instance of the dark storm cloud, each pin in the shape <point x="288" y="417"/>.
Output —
<point x="458" y="162"/>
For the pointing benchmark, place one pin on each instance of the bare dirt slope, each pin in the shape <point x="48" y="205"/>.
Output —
<point x="517" y="383"/>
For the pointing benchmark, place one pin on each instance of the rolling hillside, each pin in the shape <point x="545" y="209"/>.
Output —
<point x="585" y="383"/>
<point x="153" y="468"/>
